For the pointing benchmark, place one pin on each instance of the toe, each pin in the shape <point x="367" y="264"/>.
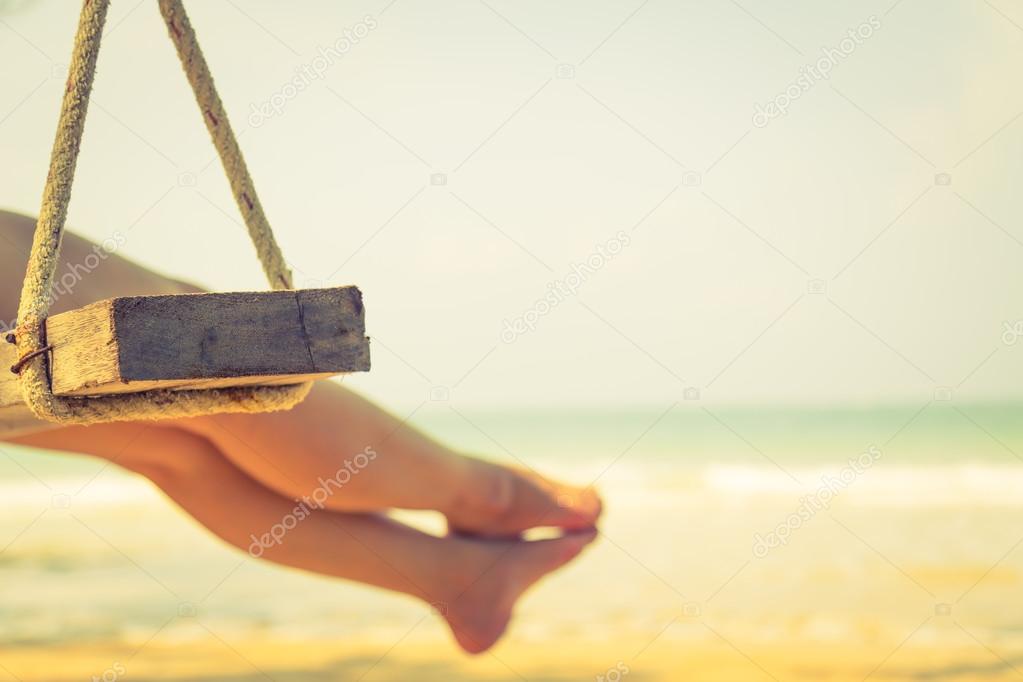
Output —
<point x="582" y="501"/>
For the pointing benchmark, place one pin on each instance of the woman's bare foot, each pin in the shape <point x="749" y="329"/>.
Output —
<point x="499" y="501"/>
<point x="479" y="612"/>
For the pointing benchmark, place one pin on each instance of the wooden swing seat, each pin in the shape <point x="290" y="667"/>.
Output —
<point x="197" y="341"/>
<point x="157" y="357"/>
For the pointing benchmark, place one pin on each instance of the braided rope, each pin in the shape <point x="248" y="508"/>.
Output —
<point x="30" y="335"/>
<point x="215" y="117"/>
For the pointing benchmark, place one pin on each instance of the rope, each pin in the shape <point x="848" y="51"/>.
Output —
<point x="30" y="335"/>
<point x="215" y="117"/>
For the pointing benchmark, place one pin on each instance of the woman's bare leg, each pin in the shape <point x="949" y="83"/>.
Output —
<point x="211" y="474"/>
<point x="474" y="584"/>
<point x="291" y="452"/>
<point x="295" y="452"/>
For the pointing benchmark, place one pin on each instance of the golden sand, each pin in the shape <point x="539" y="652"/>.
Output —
<point x="293" y="661"/>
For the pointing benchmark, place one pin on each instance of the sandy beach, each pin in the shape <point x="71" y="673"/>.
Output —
<point x="907" y="569"/>
<point x="668" y="660"/>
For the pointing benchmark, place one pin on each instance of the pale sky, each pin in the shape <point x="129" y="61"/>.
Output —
<point x="895" y="182"/>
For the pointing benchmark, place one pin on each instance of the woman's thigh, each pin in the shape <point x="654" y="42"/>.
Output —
<point x="87" y="272"/>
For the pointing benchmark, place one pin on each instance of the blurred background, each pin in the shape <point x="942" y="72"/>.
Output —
<point x="753" y="268"/>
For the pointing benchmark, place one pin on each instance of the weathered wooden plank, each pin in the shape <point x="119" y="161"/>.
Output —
<point x="137" y="343"/>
